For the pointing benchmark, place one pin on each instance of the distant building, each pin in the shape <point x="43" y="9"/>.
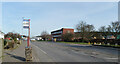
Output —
<point x="24" y="37"/>
<point x="1" y="35"/>
<point x="57" y="34"/>
<point x="38" y="37"/>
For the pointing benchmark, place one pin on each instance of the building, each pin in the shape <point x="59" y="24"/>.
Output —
<point x="24" y="37"/>
<point x="38" y="38"/>
<point x="110" y="37"/>
<point x="1" y="35"/>
<point x="57" y="34"/>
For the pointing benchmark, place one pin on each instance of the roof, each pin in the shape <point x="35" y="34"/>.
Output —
<point x="60" y="29"/>
<point x="1" y="32"/>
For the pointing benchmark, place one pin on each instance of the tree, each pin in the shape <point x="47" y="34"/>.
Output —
<point x="13" y="35"/>
<point x="116" y="28"/>
<point x="44" y="35"/>
<point x="67" y="37"/>
<point x="102" y="29"/>
<point x="89" y="28"/>
<point x="81" y="26"/>
<point x="84" y="30"/>
<point x="109" y="29"/>
<point x="112" y="29"/>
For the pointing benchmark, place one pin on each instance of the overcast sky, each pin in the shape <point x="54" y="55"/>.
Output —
<point x="50" y="16"/>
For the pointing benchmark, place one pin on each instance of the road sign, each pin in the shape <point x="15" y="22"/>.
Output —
<point x="26" y="23"/>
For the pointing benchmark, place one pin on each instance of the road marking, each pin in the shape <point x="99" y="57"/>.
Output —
<point x="40" y="49"/>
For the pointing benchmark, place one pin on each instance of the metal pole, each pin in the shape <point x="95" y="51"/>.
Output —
<point x="28" y="41"/>
<point x="28" y="49"/>
<point x="22" y="27"/>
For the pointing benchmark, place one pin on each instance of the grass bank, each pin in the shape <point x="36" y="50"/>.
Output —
<point x="111" y="45"/>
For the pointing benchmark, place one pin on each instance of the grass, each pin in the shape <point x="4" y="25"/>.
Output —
<point x="67" y="42"/>
<point x="111" y="45"/>
<point x="74" y="43"/>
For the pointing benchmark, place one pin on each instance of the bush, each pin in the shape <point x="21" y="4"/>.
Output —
<point x="5" y="42"/>
<point x="67" y="37"/>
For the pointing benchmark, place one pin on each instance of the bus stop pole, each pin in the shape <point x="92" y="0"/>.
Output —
<point x="28" y="49"/>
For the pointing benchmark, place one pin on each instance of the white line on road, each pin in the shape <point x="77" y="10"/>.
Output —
<point x="40" y="49"/>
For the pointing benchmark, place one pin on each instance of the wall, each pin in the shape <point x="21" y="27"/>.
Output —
<point x="68" y="31"/>
<point x="1" y="35"/>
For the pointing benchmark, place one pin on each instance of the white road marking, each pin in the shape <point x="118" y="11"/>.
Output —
<point x="40" y="49"/>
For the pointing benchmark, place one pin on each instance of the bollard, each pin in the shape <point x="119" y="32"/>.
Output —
<point x="28" y="53"/>
<point x="55" y="40"/>
<point x="88" y="43"/>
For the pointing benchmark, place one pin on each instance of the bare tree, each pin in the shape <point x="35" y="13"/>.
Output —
<point x="102" y="29"/>
<point x="84" y="30"/>
<point x="116" y="28"/>
<point x="81" y="26"/>
<point x="44" y="35"/>
<point x="89" y="28"/>
<point x="109" y="28"/>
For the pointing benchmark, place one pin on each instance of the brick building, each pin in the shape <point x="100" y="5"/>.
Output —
<point x="57" y="34"/>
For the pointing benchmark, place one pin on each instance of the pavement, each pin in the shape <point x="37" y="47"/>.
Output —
<point x="1" y="49"/>
<point x="17" y="54"/>
<point x="62" y="52"/>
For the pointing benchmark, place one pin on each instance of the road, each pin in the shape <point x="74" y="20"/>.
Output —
<point x="61" y="52"/>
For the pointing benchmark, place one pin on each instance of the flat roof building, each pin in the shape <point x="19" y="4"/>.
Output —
<point x="1" y="35"/>
<point x="57" y="34"/>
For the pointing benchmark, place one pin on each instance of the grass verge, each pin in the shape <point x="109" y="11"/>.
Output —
<point x="75" y="43"/>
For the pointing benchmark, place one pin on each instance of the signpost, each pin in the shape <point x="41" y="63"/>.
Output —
<point x="28" y="49"/>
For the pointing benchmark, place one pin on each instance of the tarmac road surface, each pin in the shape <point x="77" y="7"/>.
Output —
<point x="61" y="52"/>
